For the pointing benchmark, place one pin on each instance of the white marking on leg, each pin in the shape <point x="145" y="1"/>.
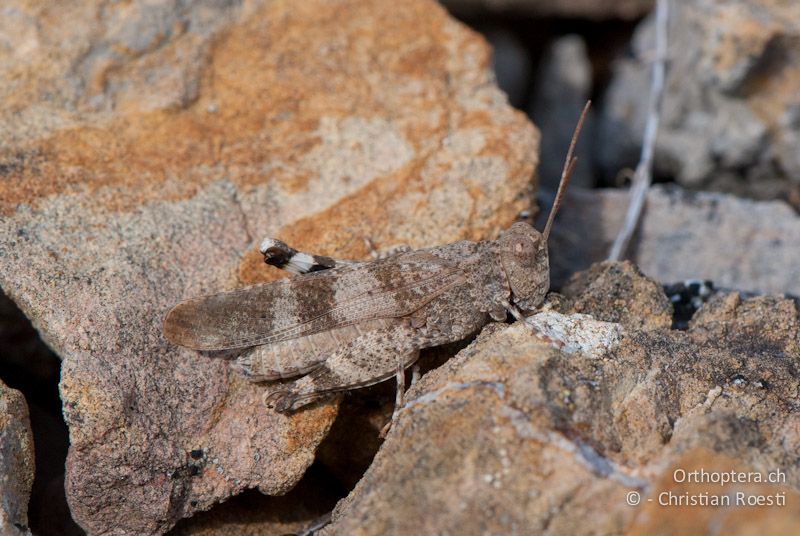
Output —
<point x="300" y="263"/>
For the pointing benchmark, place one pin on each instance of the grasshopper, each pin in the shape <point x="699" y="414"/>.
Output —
<point x="340" y="325"/>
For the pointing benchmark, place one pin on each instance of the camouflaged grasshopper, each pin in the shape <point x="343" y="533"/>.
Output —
<point x="341" y="325"/>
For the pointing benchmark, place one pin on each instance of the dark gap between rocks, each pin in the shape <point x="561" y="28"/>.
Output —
<point x="28" y="365"/>
<point x="353" y="441"/>
<point x="687" y="297"/>
<point x="521" y="46"/>
<point x="315" y="495"/>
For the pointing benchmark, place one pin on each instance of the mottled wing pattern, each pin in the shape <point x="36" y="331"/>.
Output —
<point x="312" y="303"/>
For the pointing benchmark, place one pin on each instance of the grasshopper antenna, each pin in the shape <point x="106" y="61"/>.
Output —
<point x="569" y="166"/>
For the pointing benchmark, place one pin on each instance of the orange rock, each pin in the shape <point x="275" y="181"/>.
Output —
<point x="147" y="149"/>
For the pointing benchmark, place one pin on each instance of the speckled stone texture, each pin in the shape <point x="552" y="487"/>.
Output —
<point x="513" y="436"/>
<point x="147" y="147"/>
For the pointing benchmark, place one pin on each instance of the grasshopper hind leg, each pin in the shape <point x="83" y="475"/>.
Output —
<point x="322" y="383"/>
<point x="369" y="359"/>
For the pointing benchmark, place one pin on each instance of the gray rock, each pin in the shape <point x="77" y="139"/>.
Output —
<point x="736" y="243"/>
<point x="729" y="112"/>
<point x="586" y="9"/>
<point x="563" y="85"/>
<point x="511" y="63"/>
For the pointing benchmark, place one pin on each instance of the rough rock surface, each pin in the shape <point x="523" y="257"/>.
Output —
<point x="16" y="462"/>
<point x="618" y="292"/>
<point x="587" y="9"/>
<point x="513" y="436"/>
<point x="736" y="243"/>
<point x="147" y="147"/>
<point x="731" y="113"/>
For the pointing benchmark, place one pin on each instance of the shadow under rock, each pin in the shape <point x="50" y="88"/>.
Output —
<point x="253" y="513"/>
<point x="28" y="365"/>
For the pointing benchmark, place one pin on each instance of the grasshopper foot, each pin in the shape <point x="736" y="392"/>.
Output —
<point x="280" y="401"/>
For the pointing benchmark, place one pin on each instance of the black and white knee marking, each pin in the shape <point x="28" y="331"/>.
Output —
<point x="280" y="255"/>
<point x="686" y="298"/>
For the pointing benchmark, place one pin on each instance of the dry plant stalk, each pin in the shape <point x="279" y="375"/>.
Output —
<point x="643" y="176"/>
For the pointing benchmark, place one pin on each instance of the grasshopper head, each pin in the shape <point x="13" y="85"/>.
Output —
<point x="523" y="256"/>
<point x="523" y="249"/>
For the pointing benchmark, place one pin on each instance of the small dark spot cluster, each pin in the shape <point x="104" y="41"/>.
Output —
<point x="686" y="298"/>
<point x="19" y="162"/>
<point x="195" y="465"/>
<point x="740" y="380"/>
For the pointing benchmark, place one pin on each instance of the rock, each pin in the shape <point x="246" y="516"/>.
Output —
<point x="655" y="518"/>
<point x="515" y="437"/>
<point x="146" y="150"/>
<point x="636" y="302"/>
<point x="577" y="9"/>
<point x="563" y="85"/>
<point x="736" y="243"/>
<point x="16" y="462"/>
<point x="730" y="112"/>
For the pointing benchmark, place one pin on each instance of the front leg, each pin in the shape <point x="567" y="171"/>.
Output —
<point x="517" y="314"/>
<point x="281" y="255"/>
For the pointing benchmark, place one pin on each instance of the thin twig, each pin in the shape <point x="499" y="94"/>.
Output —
<point x="644" y="169"/>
